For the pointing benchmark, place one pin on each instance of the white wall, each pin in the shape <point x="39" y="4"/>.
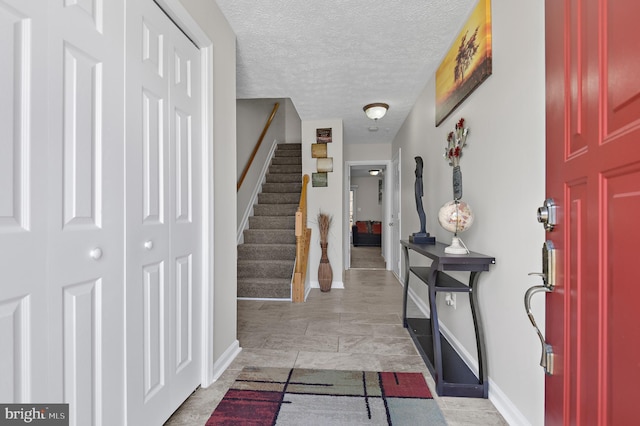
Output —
<point x="503" y="180"/>
<point x="328" y="199"/>
<point x="223" y="227"/>
<point x="366" y="205"/>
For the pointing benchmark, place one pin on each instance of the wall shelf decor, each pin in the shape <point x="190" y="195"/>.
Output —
<point x="323" y="135"/>
<point x="324" y="164"/>
<point x="318" y="150"/>
<point x="319" y="179"/>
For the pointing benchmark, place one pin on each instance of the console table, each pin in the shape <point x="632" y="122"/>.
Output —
<point x="451" y="374"/>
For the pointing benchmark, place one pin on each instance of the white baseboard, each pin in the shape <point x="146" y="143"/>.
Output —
<point x="503" y="404"/>
<point x="225" y="360"/>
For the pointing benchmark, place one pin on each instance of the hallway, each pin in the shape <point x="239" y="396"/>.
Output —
<point x="358" y="327"/>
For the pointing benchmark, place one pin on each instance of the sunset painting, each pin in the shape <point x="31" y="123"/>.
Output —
<point x="467" y="64"/>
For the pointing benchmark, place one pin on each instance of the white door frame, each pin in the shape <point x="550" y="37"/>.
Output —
<point x="386" y="247"/>
<point x="176" y="11"/>
<point x="396" y="207"/>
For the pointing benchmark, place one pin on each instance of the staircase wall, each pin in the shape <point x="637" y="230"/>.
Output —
<point x="252" y="115"/>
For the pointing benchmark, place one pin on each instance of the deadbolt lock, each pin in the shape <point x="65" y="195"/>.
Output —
<point x="547" y="214"/>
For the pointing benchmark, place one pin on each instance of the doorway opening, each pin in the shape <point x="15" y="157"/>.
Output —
<point x="366" y="214"/>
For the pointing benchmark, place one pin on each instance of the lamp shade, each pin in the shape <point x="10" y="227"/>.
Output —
<point x="376" y="111"/>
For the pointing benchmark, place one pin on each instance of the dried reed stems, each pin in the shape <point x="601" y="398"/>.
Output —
<point x="324" y="222"/>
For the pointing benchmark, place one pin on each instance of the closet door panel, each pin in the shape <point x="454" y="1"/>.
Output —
<point x="85" y="209"/>
<point x="23" y="208"/>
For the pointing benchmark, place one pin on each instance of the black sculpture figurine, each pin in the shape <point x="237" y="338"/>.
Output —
<point x="423" y="236"/>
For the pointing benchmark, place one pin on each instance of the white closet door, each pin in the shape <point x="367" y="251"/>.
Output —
<point x="163" y="250"/>
<point x="23" y="215"/>
<point x="61" y="206"/>
<point x="186" y="215"/>
<point x="86" y="220"/>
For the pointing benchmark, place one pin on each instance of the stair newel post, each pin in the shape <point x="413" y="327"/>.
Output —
<point x="302" y="245"/>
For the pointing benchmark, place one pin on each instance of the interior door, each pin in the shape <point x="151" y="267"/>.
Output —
<point x="23" y="207"/>
<point x="593" y="174"/>
<point x="163" y="215"/>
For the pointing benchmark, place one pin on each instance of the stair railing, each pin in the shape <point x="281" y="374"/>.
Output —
<point x="303" y="238"/>
<point x="257" y="147"/>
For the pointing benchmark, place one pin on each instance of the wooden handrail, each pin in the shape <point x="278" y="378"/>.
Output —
<point x="303" y="238"/>
<point x="255" y="148"/>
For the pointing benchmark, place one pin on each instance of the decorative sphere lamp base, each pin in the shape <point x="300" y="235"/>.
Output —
<point x="456" y="247"/>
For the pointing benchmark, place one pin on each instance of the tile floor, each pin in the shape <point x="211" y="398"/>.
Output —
<point x="359" y="327"/>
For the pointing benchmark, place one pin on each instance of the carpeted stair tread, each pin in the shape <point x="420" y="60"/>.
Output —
<point x="275" y="209"/>
<point x="269" y="236"/>
<point x="280" y="187"/>
<point x="283" y="177"/>
<point x="265" y="268"/>
<point x="286" y="161"/>
<point x="272" y="222"/>
<point x="264" y="288"/>
<point x="278" y="198"/>
<point x="286" y="168"/>
<point x="292" y="146"/>
<point x="266" y="251"/>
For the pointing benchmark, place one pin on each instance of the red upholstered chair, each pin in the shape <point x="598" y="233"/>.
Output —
<point x="366" y="233"/>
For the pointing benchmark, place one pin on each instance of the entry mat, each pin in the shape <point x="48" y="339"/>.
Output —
<point x="299" y="396"/>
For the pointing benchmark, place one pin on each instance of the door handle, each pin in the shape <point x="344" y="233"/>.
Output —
<point x="548" y="276"/>
<point x="547" y="358"/>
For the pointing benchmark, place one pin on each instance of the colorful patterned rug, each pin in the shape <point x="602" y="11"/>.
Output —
<point x="297" y="396"/>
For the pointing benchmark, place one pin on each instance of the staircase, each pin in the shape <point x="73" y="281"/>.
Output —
<point x="266" y="258"/>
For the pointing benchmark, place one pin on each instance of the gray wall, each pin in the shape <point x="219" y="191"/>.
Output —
<point x="222" y="225"/>
<point x="367" y="206"/>
<point x="503" y="170"/>
<point x="252" y="115"/>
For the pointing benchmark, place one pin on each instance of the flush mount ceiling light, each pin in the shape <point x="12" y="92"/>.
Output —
<point x="374" y="172"/>
<point x="376" y="110"/>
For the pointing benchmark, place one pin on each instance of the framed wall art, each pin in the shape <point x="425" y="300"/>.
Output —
<point x="319" y="179"/>
<point x="467" y="64"/>
<point x="323" y="135"/>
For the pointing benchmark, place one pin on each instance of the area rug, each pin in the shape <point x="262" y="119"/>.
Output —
<point x="297" y="396"/>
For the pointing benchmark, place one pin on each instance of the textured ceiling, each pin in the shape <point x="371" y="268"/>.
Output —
<point x="333" y="57"/>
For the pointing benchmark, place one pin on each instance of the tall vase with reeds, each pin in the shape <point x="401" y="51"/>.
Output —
<point x="325" y="274"/>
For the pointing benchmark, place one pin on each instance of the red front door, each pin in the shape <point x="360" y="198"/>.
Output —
<point x="593" y="174"/>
